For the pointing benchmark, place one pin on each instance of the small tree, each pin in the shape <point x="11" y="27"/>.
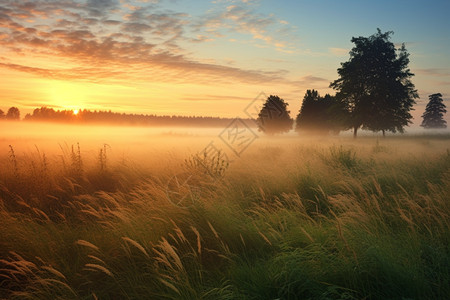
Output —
<point x="13" y="113"/>
<point x="308" y="116"/>
<point x="2" y="114"/>
<point x="319" y="114"/>
<point x="433" y="117"/>
<point x="274" y="117"/>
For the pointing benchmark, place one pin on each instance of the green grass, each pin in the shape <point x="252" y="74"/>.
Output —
<point x="346" y="219"/>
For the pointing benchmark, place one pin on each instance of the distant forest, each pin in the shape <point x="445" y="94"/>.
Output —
<point x="45" y="114"/>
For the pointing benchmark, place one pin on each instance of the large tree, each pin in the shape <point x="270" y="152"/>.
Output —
<point x="375" y="86"/>
<point x="433" y="117"/>
<point x="274" y="117"/>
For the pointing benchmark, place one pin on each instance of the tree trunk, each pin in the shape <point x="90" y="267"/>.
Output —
<point x="355" y="131"/>
<point x="384" y="133"/>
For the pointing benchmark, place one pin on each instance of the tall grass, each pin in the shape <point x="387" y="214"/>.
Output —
<point x="340" y="220"/>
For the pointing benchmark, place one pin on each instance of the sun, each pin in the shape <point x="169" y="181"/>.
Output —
<point x="76" y="111"/>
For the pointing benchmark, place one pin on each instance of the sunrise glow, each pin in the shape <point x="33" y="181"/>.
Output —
<point x="198" y="57"/>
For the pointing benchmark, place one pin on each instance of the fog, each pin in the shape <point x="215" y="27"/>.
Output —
<point x="26" y="136"/>
<point x="141" y="143"/>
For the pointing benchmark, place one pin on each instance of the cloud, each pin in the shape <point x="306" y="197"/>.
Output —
<point x="436" y="72"/>
<point x="338" y="51"/>
<point x="102" y="3"/>
<point x="113" y="62"/>
<point x="309" y="79"/>
<point x="443" y="83"/>
<point x="136" y="27"/>
<point x="100" y="8"/>
<point x="243" y="19"/>
<point x="89" y="74"/>
<point x="111" y="22"/>
<point x="109" y="45"/>
<point x="219" y="98"/>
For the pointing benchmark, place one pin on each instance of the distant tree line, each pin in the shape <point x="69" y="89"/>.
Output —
<point x="108" y="117"/>
<point x="373" y="92"/>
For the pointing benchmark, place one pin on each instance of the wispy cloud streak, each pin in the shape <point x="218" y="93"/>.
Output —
<point x="113" y="40"/>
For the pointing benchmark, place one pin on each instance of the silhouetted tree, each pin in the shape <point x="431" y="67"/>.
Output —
<point x="13" y="113"/>
<point x="433" y="117"/>
<point x="319" y="114"/>
<point x="308" y="115"/>
<point x="43" y="113"/>
<point x="337" y="114"/>
<point x="274" y="117"/>
<point x="2" y="114"/>
<point x="374" y="85"/>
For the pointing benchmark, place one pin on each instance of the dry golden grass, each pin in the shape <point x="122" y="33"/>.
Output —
<point x="291" y="218"/>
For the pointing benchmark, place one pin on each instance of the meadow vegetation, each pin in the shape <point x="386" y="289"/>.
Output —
<point x="292" y="218"/>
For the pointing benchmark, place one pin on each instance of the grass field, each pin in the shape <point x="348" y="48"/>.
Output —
<point x="292" y="218"/>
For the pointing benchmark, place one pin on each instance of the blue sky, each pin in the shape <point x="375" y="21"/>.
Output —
<point x="203" y="57"/>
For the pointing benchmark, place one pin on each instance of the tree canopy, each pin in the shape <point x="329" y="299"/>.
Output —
<point x="374" y="85"/>
<point x="433" y="117"/>
<point x="319" y="114"/>
<point x="274" y="117"/>
<point x="13" y="113"/>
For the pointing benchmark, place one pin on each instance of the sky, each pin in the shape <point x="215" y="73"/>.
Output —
<point x="203" y="58"/>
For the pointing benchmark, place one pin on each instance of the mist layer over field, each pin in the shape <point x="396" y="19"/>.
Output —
<point x="127" y="140"/>
<point x="50" y="135"/>
<point x="171" y="213"/>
